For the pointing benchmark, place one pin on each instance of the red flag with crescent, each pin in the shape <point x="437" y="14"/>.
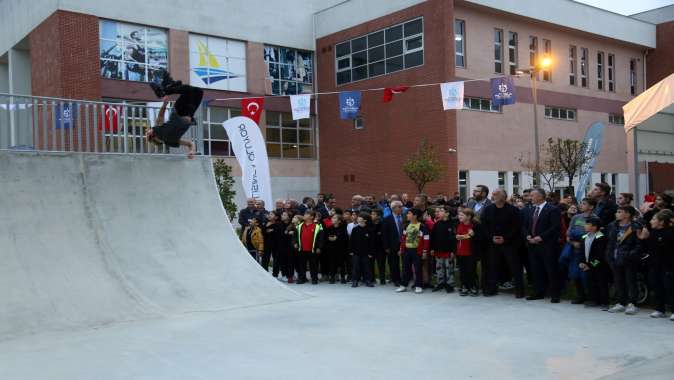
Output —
<point x="252" y="108"/>
<point x="390" y="91"/>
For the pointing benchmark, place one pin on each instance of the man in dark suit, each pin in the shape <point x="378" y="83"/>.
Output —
<point x="502" y="226"/>
<point x="542" y="230"/>
<point x="393" y="229"/>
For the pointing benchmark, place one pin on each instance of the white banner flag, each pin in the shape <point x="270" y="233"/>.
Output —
<point x="250" y="150"/>
<point x="452" y="95"/>
<point x="301" y="106"/>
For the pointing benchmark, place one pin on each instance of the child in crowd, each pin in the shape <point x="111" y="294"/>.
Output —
<point x="426" y="259"/>
<point x="252" y="238"/>
<point x="286" y="247"/>
<point x="336" y="246"/>
<point x="592" y="262"/>
<point x="574" y="237"/>
<point x="623" y="252"/>
<point x="379" y="253"/>
<point x="465" y="234"/>
<point x="291" y="232"/>
<point x="309" y="244"/>
<point x="272" y="233"/>
<point x="660" y="247"/>
<point x="443" y="248"/>
<point x="414" y="245"/>
<point x="361" y="250"/>
<point x="350" y="220"/>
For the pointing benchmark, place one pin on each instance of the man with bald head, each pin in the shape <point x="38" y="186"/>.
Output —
<point x="501" y="223"/>
<point x="248" y="213"/>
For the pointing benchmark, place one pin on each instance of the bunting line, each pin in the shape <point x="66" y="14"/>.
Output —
<point x="313" y="94"/>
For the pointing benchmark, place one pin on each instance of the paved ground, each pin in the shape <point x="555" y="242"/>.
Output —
<point x="357" y="333"/>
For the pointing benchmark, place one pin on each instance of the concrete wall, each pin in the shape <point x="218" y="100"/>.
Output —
<point x="660" y="62"/>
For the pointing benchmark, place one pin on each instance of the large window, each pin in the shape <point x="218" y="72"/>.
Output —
<point x="480" y="104"/>
<point x="382" y="52"/>
<point x="611" y="72"/>
<point x="583" y="67"/>
<point x="547" y="50"/>
<point x="217" y="63"/>
<point x="512" y="52"/>
<point x="498" y="51"/>
<point x="460" y="43"/>
<point x="572" y="65"/>
<point x="633" y="76"/>
<point x="288" y="138"/>
<point x="600" y="70"/>
<point x="559" y="113"/>
<point x="291" y="71"/>
<point x="516" y="182"/>
<point x="216" y="142"/>
<point x="502" y="180"/>
<point x="131" y="52"/>
<point x="533" y="50"/>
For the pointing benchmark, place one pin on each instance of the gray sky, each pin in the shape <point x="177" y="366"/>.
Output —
<point x="627" y="7"/>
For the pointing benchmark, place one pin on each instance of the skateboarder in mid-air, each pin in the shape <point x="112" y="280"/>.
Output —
<point x="182" y="116"/>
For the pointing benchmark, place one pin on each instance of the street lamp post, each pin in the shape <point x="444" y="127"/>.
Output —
<point x="542" y="65"/>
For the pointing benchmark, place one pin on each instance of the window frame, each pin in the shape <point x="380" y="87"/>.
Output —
<point x="610" y="64"/>
<point x="498" y="44"/>
<point x="462" y="54"/>
<point x="366" y="66"/>
<point x="616" y="119"/>
<point x="492" y="108"/>
<point x="297" y="83"/>
<point x="283" y="120"/>
<point x="513" y="65"/>
<point x="549" y="112"/>
<point x="600" y="70"/>
<point x="573" y="69"/>
<point x="547" y="51"/>
<point x="584" y="73"/>
<point x="633" y="76"/>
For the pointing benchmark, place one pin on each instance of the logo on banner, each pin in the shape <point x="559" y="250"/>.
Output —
<point x="503" y="91"/>
<point x="249" y="148"/>
<point x="301" y="106"/>
<point x="252" y="108"/>
<point x="209" y="69"/>
<point x="452" y="95"/>
<point x="65" y="116"/>
<point x="349" y="104"/>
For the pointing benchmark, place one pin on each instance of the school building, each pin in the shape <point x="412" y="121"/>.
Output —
<point x="108" y="51"/>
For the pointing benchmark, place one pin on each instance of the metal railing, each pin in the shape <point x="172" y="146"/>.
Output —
<point x="66" y="125"/>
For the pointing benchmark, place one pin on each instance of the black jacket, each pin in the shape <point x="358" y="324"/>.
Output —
<point x="246" y="214"/>
<point x="443" y="236"/>
<point x="391" y="235"/>
<point x="548" y="226"/>
<point x="336" y="240"/>
<point x="361" y="242"/>
<point x="377" y="236"/>
<point x="606" y="210"/>
<point x="505" y="222"/>
<point x="273" y="237"/>
<point x="597" y="256"/>
<point x="625" y="251"/>
<point x="660" y="247"/>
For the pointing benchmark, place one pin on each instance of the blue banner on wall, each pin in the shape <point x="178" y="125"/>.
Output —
<point x="503" y="91"/>
<point x="65" y="115"/>
<point x="593" y="141"/>
<point x="349" y="104"/>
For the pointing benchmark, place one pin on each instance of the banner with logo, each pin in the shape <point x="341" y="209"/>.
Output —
<point x="452" y="95"/>
<point x="249" y="148"/>
<point x="301" y="106"/>
<point x="65" y="115"/>
<point x="593" y="141"/>
<point x="349" y="104"/>
<point x="252" y="108"/>
<point x="503" y="91"/>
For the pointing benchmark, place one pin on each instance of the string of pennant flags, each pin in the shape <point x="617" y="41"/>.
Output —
<point x="452" y="94"/>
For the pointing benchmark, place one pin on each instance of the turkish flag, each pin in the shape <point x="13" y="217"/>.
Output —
<point x="110" y="118"/>
<point x="390" y="91"/>
<point x="252" y="108"/>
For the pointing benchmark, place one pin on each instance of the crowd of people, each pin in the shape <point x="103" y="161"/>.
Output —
<point x="535" y="244"/>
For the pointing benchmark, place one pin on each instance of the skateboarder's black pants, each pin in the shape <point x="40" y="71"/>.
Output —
<point x="361" y="267"/>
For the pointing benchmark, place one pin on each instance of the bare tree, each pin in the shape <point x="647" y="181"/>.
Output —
<point x="569" y="155"/>
<point x="550" y="171"/>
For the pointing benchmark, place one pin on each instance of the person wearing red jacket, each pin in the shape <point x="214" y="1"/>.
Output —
<point x="414" y="245"/>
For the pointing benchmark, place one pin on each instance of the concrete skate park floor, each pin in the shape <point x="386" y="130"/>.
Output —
<point x="364" y="333"/>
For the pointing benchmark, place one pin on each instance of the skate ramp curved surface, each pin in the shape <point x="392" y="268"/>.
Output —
<point x="88" y="240"/>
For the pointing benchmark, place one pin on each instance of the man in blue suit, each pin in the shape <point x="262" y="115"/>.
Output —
<point x="542" y="230"/>
<point x="393" y="229"/>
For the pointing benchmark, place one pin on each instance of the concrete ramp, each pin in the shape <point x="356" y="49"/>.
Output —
<point x="88" y="240"/>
